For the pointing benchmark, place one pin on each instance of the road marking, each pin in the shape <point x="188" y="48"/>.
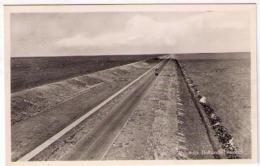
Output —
<point x="180" y="122"/>
<point x="181" y="134"/>
<point x="183" y="141"/>
<point x="182" y="148"/>
<point x="119" y="132"/>
<point x="76" y="95"/>
<point x="180" y="113"/>
<point x="182" y="155"/>
<point x="57" y="136"/>
<point x="180" y="110"/>
<point x="181" y="137"/>
<point x="115" y="138"/>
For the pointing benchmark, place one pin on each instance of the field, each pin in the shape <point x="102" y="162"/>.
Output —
<point x="226" y="84"/>
<point x="28" y="72"/>
<point x="40" y="112"/>
<point x="50" y="93"/>
<point x="31" y="102"/>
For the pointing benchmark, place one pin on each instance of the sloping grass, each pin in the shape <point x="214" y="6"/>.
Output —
<point x="28" y="72"/>
<point x="30" y="102"/>
<point x="226" y="84"/>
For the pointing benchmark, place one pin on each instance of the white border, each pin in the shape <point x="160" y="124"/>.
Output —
<point x="19" y="2"/>
<point x="37" y="2"/>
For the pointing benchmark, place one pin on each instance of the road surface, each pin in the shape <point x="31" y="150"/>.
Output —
<point x="147" y="120"/>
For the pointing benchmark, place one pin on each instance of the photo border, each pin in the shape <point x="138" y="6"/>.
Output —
<point x="8" y="9"/>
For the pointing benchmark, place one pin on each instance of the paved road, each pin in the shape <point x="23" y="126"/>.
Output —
<point x="147" y="121"/>
<point x="163" y="125"/>
<point x="151" y="132"/>
<point x="29" y="133"/>
<point x="98" y="132"/>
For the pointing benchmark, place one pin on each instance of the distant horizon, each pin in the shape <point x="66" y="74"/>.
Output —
<point x="135" y="54"/>
<point x="129" y="33"/>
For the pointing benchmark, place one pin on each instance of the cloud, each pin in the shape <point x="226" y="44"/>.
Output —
<point x="130" y="33"/>
<point x="200" y="33"/>
<point x="140" y="31"/>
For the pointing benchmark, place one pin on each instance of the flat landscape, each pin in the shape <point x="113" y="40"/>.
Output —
<point x="226" y="84"/>
<point x="51" y="107"/>
<point x="137" y="110"/>
<point x="28" y="72"/>
<point x="141" y="84"/>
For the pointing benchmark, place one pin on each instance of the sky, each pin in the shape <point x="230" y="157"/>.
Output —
<point x="106" y="33"/>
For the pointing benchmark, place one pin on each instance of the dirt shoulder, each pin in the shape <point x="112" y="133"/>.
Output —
<point x="226" y="85"/>
<point x="192" y="128"/>
<point x="29" y="103"/>
<point x="36" y="123"/>
<point x="151" y="131"/>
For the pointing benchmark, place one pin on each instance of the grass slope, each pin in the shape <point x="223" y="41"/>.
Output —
<point x="28" y="72"/>
<point x="226" y="83"/>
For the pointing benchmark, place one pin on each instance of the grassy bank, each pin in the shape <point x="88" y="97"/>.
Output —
<point x="28" y="72"/>
<point x="226" y="84"/>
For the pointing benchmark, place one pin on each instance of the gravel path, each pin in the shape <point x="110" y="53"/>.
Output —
<point x="151" y="130"/>
<point x="30" y="132"/>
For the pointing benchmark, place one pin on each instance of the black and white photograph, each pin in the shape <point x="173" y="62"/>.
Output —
<point x="131" y="82"/>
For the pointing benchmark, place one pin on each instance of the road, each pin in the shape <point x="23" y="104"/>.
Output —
<point x="147" y="120"/>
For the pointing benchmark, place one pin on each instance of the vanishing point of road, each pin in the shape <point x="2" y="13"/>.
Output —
<point x="144" y="120"/>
